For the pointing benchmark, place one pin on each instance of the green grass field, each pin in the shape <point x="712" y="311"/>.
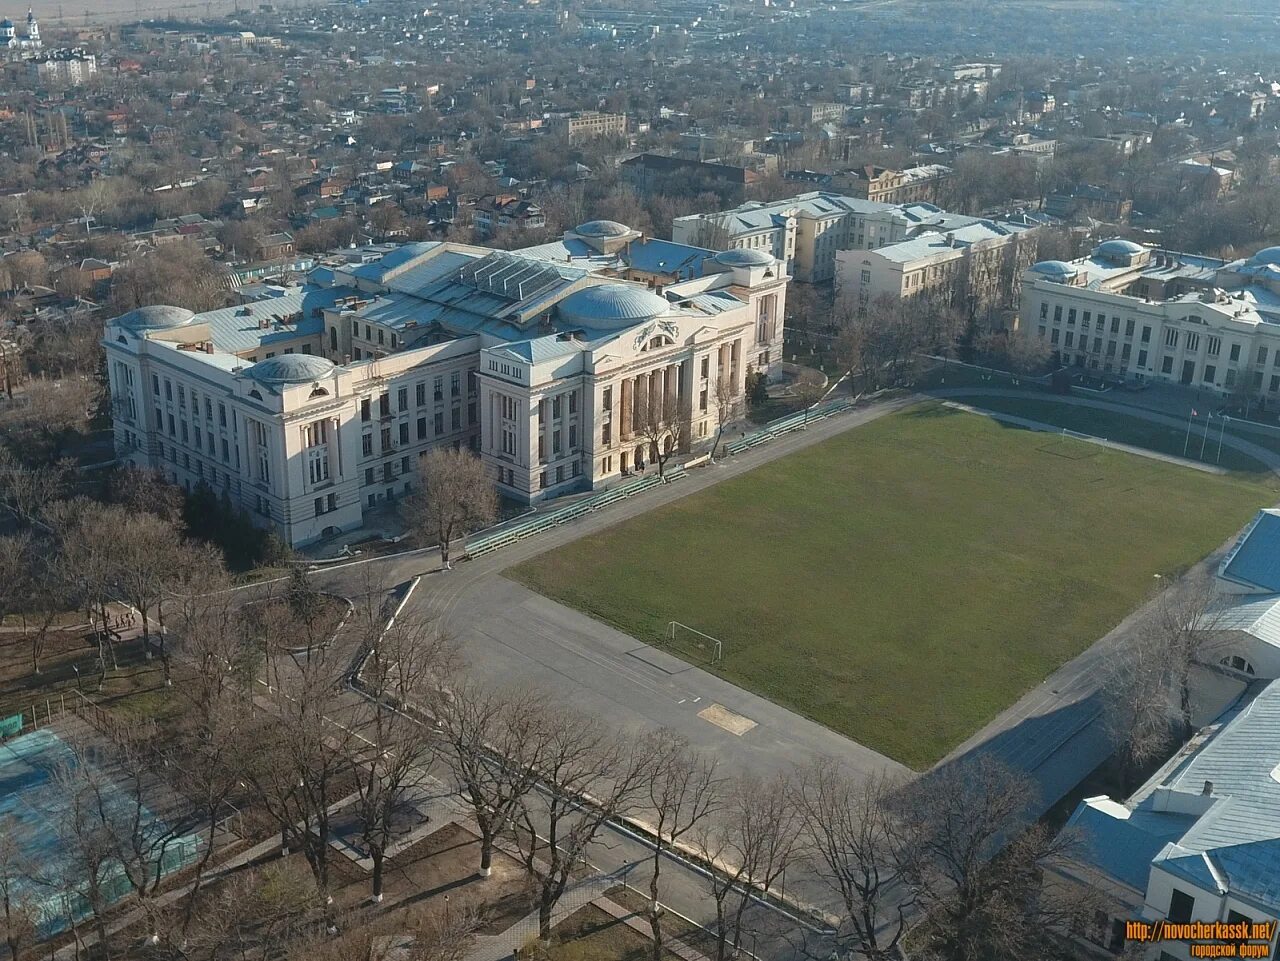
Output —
<point x="905" y="581"/>
<point x="1133" y="430"/>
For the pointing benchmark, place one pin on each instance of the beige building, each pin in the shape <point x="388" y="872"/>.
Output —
<point x="590" y="123"/>
<point x="808" y="232"/>
<point x="893" y="186"/>
<point x="975" y="267"/>
<point x="310" y="406"/>
<point x="1142" y="313"/>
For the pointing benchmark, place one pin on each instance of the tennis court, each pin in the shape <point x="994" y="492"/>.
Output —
<point x="34" y="811"/>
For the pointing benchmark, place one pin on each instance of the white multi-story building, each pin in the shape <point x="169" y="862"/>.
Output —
<point x="311" y="407"/>
<point x="1148" y="314"/>
<point x="962" y="262"/>
<point x="806" y="232"/>
<point x="1199" y="842"/>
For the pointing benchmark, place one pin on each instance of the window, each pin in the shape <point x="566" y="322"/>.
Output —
<point x="606" y="432"/>
<point x="318" y="464"/>
<point x="1210" y="373"/>
<point x="1128" y="327"/>
<point x="1057" y="314"/>
<point x="1181" y="905"/>
<point x="542" y="448"/>
<point x="381" y="336"/>
<point x="1146" y="335"/>
<point x="384" y="405"/>
<point x="1069" y="340"/>
<point x="1124" y="352"/>
<point x="439" y="423"/>
<point x="455" y="384"/>
<point x="606" y="401"/>
<point x="1053" y="336"/>
<point x="368" y="476"/>
<point x="437" y="389"/>
<point x="1262" y="354"/>
<point x="555" y="407"/>
<point x="182" y="397"/>
<point x="1193" y="341"/>
<point x="455" y="419"/>
<point x="1213" y="346"/>
<point x="473" y="383"/>
<point x="573" y="436"/>
<point x="1142" y="358"/>
<point x="1235" y="353"/>
<point x="404" y="432"/>
<point x="1166" y="365"/>
<point x="422" y="428"/>
<point x="168" y="390"/>
<point x="420" y="395"/>
<point x="155" y="385"/>
<point x="1275" y="383"/>
<point x="706" y="367"/>
<point x="471" y="414"/>
<point x="542" y="480"/>
<point x="1115" y="325"/>
<point x="573" y="400"/>
<point x="366" y="445"/>
<point x="555" y="442"/>
<point x="365" y="412"/>
<point x="402" y="399"/>
<point x="1230" y="379"/>
<point x="386" y="439"/>
<point x="866" y="279"/>
<point x="1171" y="338"/>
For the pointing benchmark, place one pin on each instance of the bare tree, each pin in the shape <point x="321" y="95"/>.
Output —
<point x="31" y="488"/>
<point x="1137" y="708"/>
<point x="17" y="878"/>
<point x="728" y="409"/>
<point x="749" y="846"/>
<point x="664" y="423"/>
<point x="145" y="558"/>
<point x="493" y="746"/>
<point x="302" y="758"/>
<point x="856" y="848"/>
<point x="404" y="664"/>
<point x="976" y="864"/>
<point x="87" y="535"/>
<point x="1183" y="624"/>
<point x="455" y="495"/>
<point x="590" y="775"/>
<point x="684" y="788"/>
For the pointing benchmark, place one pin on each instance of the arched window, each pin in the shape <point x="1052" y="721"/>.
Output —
<point x="1237" y="663"/>
<point x="254" y="394"/>
<point x="318" y="392"/>
<point x="333" y="339"/>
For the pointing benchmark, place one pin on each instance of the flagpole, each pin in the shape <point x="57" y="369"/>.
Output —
<point x="1186" y="442"/>
<point x="1220" y="433"/>
<point x="1205" y="439"/>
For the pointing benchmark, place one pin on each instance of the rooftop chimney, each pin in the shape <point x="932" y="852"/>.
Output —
<point x="1208" y="788"/>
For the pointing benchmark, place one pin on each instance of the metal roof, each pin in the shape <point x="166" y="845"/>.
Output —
<point x="1255" y="559"/>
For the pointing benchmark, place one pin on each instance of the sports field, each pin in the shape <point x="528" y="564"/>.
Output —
<point x="907" y="580"/>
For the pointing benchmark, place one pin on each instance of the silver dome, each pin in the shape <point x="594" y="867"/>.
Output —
<point x="1054" y="268"/>
<point x="745" y="258"/>
<point x="1266" y="256"/>
<point x="157" y="317"/>
<point x="612" y="306"/>
<point x="1117" y="248"/>
<point x="602" y="229"/>
<point x="290" y="369"/>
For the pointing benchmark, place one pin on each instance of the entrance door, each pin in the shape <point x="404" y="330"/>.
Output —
<point x="1188" y="371"/>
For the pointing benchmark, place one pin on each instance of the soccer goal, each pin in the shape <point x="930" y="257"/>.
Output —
<point x="690" y="639"/>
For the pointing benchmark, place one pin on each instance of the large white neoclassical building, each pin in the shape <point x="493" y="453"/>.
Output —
<point x="1142" y="313"/>
<point x="310" y="405"/>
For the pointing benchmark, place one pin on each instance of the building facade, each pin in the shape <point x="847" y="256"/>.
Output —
<point x="1147" y="314"/>
<point x="974" y="267"/>
<point x="62" y="68"/>
<point x="894" y="186"/>
<point x="588" y="124"/>
<point x="562" y="367"/>
<point x="20" y="46"/>
<point x="807" y="232"/>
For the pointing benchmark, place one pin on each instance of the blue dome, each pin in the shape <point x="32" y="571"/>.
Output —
<point x="745" y="258"/>
<point x="157" y="317"/>
<point x="1054" y="268"/>
<point x="1265" y="256"/>
<point x="290" y="369"/>
<point x="1117" y="248"/>
<point x="602" y="229"/>
<point x="612" y="306"/>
